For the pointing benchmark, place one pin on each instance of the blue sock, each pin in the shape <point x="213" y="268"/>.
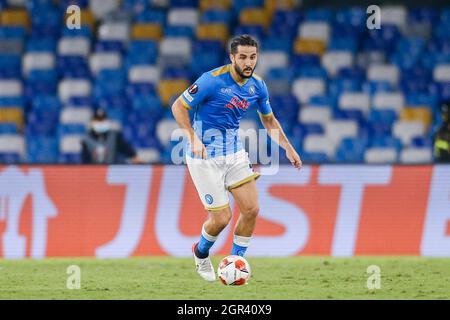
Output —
<point x="202" y="248"/>
<point x="240" y="245"/>
<point x="238" y="250"/>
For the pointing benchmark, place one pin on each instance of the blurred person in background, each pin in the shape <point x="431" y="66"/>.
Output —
<point x="442" y="137"/>
<point x="104" y="145"/>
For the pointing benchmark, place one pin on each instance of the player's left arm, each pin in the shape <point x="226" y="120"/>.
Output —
<point x="274" y="129"/>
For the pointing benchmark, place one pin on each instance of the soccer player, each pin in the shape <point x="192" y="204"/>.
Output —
<point x="216" y="159"/>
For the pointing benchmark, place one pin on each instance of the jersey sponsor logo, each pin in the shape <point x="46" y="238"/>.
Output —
<point x="209" y="199"/>
<point x="239" y="104"/>
<point x="193" y="89"/>
<point x="188" y="96"/>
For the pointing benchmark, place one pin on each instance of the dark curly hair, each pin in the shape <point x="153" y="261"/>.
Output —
<point x="242" y="40"/>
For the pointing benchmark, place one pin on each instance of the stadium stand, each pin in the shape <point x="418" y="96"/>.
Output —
<point x="343" y="93"/>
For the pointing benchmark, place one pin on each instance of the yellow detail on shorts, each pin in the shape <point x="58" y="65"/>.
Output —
<point x="265" y="115"/>
<point x="222" y="70"/>
<point x="184" y="103"/>
<point x="255" y="176"/>
<point x="218" y="208"/>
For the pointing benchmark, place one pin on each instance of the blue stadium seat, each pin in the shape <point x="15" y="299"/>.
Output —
<point x="41" y="82"/>
<point x="8" y="128"/>
<point x="350" y="114"/>
<point x="80" y="102"/>
<point x="109" y="45"/>
<point x="10" y="158"/>
<point x="287" y="17"/>
<point x="285" y="24"/>
<point x="151" y="16"/>
<point x="42" y="149"/>
<point x="277" y="74"/>
<point x="338" y="86"/>
<point x="133" y="89"/>
<point x="422" y="142"/>
<point x="70" y="158"/>
<point x="286" y="107"/>
<point x="380" y="122"/>
<point x="314" y="157"/>
<point x="141" y="52"/>
<point x="84" y="31"/>
<point x="42" y="122"/>
<point x="177" y="72"/>
<point x="256" y="31"/>
<point x="10" y="63"/>
<point x="311" y="71"/>
<point x="351" y="150"/>
<point x="12" y="101"/>
<point x="67" y="129"/>
<point x="63" y="4"/>
<point x="184" y="3"/>
<point x="276" y="42"/>
<point x="72" y="67"/>
<point x="113" y="102"/>
<point x="39" y="44"/>
<point x="321" y="101"/>
<point x="179" y="31"/>
<point x="353" y="73"/>
<point x="353" y="16"/>
<point x="109" y="83"/>
<point x="423" y="14"/>
<point x="343" y="43"/>
<point x="46" y="21"/>
<point x="147" y="101"/>
<point x="46" y="102"/>
<point x="239" y="5"/>
<point x="385" y="141"/>
<point x="319" y="14"/>
<point x="216" y="16"/>
<point x="135" y="6"/>
<point x="302" y="60"/>
<point x="204" y="61"/>
<point x="373" y="87"/>
<point x="12" y="32"/>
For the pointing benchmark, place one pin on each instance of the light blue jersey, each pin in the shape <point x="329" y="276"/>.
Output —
<point x="219" y="102"/>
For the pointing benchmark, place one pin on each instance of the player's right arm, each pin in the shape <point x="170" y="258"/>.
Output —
<point x="181" y="115"/>
<point x="194" y="96"/>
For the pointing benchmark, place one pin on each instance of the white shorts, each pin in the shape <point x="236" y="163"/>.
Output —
<point x="214" y="177"/>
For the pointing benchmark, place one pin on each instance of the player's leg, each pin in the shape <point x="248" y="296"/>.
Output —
<point x="246" y="197"/>
<point x="217" y="221"/>
<point x="209" y="182"/>
<point x="240" y="181"/>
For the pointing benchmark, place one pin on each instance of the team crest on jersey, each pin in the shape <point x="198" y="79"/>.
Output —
<point x="193" y="89"/>
<point x="251" y="90"/>
<point x="209" y="199"/>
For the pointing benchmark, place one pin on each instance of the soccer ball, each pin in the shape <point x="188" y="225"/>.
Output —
<point x="234" y="271"/>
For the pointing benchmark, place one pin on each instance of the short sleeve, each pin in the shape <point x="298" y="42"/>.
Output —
<point x="264" y="107"/>
<point x="198" y="92"/>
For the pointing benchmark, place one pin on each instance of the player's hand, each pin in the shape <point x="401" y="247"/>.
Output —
<point x="136" y="160"/>
<point x="293" y="156"/>
<point x="198" y="148"/>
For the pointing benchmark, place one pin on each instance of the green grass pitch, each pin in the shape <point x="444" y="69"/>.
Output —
<point x="168" y="278"/>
